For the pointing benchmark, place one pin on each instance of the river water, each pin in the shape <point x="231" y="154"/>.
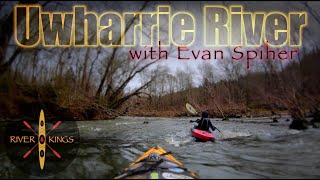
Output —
<point x="248" y="148"/>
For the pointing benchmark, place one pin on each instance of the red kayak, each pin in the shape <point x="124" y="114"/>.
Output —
<point x="202" y="135"/>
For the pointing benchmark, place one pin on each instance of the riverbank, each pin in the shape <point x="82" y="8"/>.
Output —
<point x="22" y="100"/>
<point x="229" y="113"/>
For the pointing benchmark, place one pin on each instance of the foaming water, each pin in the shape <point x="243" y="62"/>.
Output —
<point x="245" y="149"/>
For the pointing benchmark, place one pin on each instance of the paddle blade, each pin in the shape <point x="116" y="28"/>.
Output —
<point x="56" y="125"/>
<point x="27" y="124"/>
<point x="27" y="154"/>
<point x="191" y="109"/>
<point x="56" y="153"/>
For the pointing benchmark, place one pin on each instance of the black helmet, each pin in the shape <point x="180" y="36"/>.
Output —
<point x="205" y="114"/>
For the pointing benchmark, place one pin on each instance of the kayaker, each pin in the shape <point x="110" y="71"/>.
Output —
<point x="204" y="123"/>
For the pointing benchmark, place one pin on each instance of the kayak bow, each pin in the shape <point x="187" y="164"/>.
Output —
<point x="202" y="135"/>
<point x="156" y="163"/>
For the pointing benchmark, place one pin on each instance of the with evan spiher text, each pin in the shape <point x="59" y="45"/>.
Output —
<point x="238" y="53"/>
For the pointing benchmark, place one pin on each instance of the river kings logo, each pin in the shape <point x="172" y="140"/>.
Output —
<point x="40" y="147"/>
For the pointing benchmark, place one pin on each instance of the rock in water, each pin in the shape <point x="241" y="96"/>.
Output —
<point x="274" y="119"/>
<point x="225" y="119"/>
<point x="299" y="124"/>
<point x="298" y="119"/>
<point x="315" y="125"/>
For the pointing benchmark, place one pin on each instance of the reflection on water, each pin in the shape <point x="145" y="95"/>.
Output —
<point x="244" y="150"/>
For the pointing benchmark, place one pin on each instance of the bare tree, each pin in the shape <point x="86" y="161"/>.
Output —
<point x="111" y="59"/>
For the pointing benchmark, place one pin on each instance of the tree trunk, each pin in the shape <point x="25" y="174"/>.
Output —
<point x="111" y="59"/>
